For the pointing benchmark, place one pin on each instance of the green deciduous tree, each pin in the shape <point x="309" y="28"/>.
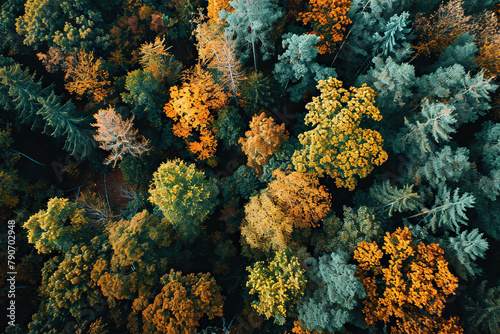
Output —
<point x="342" y="235"/>
<point x="59" y="228"/>
<point x="70" y="25"/>
<point x="184" y="195"/>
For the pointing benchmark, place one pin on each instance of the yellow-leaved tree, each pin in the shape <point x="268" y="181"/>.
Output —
<point x="192" y="106"/>
<point x="277" y="285"/>
<point x="337" y="146"/>
<point x="289" y="202"/>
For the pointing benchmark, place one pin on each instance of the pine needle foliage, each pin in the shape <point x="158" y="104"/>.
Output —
<point x="394" y="198"/>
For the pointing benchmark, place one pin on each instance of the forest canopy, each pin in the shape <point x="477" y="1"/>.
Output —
<point x="250" y="166"/>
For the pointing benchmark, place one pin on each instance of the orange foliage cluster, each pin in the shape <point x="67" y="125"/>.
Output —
<point x="328" y="20"/>
<point x="131" y="29"/>
<point x="85" y="77"/>
<point x="414" y="287"/>
<point x="182" y="302"/>
<point x="214" y="6"/>
<point x="192" y="106"/>
<point x="440" y="29"/>
<point x="263" y="140"/>
<point x="291" y="201"/>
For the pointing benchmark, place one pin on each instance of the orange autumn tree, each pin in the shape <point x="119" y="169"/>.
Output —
<point x="214" y="6"/>
<point x="406" y="284"/>
<point x="85" y="77"/>
<point x="328" y="20"/>
<point x="289" y="202"/>
<point x="263" y="140"/>
<point x="192" y="107"/>
<point x="441" y="29"/>
<point x="182" y="302"/>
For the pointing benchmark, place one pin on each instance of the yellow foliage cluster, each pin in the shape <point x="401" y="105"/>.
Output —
<point x="291" y="201"/>
<point x="416" y="283"/>
<point x="337" y="146"/>
<point x="278" y="285"/>
<point x="192" y="106"/>
<point x="152" y="57"/>
<point x="328" y="20"/>
<point x="263" y="140"/>
<point x="85" y="77"/>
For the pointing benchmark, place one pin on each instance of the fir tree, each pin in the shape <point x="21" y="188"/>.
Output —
<point x="250" y="23"/>
<point x="395" y="199"/>
<point x="436" y="121"/>
<point x="483" y="307"/>
<point x="296" y="68"/>
<point x="462" y="51"/>
<point x="449" y="209"/>
<point x="393" y="83"/>
<point x="328" y="307"/>
<point x="394" y="33"/>
<point x="464" y="249"/>
<point x="445" y="165"/>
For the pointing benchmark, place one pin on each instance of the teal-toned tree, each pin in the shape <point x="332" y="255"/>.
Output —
<point x="464" y="249"/>
<point x="393" y="83"/>
<point x="463" y="51"/>
<point x="297" y="69"/>
<point x="444" y="166"/>
<point x="332" y="293"/>
<point x="430" y="127"/>
<point x="468" y="93"/>
<point x="395" y="199"/>
<point x="251" y="24"/>
<point x="449" y="209"/>
<point x="394" y="34"/>
<point x="184" y="195"/>
<point x="483" y="309"/>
